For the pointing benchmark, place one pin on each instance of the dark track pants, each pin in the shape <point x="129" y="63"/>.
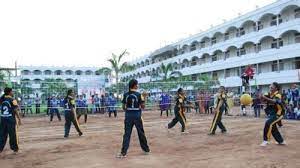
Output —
<point x="138" y="123"/>
<point x="271" y="129"/>
<point x="179" y="117"/>
<point x="52" y="111"/>
<point x="71" y="118"/>
<point x="161" y="112"/>
<point x="112" y="111"/>
<point x="8" y="128"/>
<point x="217" y="121"/>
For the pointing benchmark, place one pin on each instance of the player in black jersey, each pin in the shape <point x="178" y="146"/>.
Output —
<point x="10" y="120"/>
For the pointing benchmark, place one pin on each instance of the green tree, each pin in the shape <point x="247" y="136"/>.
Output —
<point x="168" y="73"/>
<point x="117" y="66"/>
<point x="53" y="87"/>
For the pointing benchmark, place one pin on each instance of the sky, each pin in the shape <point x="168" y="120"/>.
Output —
<point x="87" y="32"/>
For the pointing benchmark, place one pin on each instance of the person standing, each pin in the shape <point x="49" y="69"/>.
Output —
<point x="276" y="112"/>
<point x="9" y="121"/>
<point x="54" y="104"/>
<point x="164" y="104"/>
<point x="256" y="104"/>
<point x="37" y="104"/>
<point x="29" y="105"/>
<point x="97" y="103"/>
<point x="220" y="106"/>
<point x="70" y="114"/>
<point x="133" y="103"/>
<point x="111" y="105"/>
<point x="81" y="108"/>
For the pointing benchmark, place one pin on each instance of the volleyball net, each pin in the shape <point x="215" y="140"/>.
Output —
<point x="42" y="96"/>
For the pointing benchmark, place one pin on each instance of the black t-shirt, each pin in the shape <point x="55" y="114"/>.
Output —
<point x="8" y="106"/>
<point x="133" y="101"/>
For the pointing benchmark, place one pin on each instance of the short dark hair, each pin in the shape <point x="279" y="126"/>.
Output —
<point x="132" y="83"/>
<point x="179" y="90"/>
<point x="69" y="92"/>
<point x="277" y="86"/>
<point x="7" y="91"/>
<point x="223" y="87"/>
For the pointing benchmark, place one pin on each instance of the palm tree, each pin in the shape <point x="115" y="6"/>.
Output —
<point x="105" y="71"/>
<point x="168" y="73"/>
<point x="116" y="65"/>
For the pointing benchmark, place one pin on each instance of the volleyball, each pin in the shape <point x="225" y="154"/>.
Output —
<point x="246" y="99"/>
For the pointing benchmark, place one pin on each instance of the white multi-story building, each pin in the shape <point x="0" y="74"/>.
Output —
<point x="87" y="79"/>
<point x="267" y="38"/>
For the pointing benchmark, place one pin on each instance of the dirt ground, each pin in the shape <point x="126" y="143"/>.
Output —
<point x="43" y="146"/>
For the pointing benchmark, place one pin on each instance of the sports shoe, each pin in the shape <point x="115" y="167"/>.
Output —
<point x="80" y="133"/>
<point x="147" y="153"/>
<point x="16" y="152"/>
<point x="264" y="143"/>
<point x="211" y="134"/>
<point x="223" y="131"/>
<point x="282" y="143"/>
<point x="121" y="156"/>
<point x="185" y="132"/>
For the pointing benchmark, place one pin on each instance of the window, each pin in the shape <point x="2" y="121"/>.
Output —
<point x="281" y="65"/>
<point x="274" y="21"/>
<point x="297" y="13"/>
<point x="254" y="26"/>
<point x="297" y="37"/>
<point x="226" y="36"/>
<point x="259" y="69"/>
<point x="227" y="54"/>
<point x="213" y="41"/>
<point x="193" y="47"/>
<point x="297" y="63"/>
<point x="202" y="44"/>
<point x="274" y="44"/>
<point x="280" y="42"/>
<point x="258" y="47"/>
<point x="194" y="77"/>
<point x="242" y="51"/>
<point x="242" y="31"/>
<point x="214" y="58"/>
<point x="259" y="25"/>
<point x="227" y="73"/>
<point x="215" y="76"/>
<point x="279" y="19"/>
<point x="274" y="66"/>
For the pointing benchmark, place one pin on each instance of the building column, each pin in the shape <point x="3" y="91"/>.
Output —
<point x="278" y="66"/>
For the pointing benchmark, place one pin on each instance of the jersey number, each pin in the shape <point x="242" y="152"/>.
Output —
<point x="132" y="103"/>
<point x="5" y="110"/>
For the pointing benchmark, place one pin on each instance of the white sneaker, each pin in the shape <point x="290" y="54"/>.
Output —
<point x="147" y="153"/>
<point x="282" y="143"/>
<point x="121" y="156"/>
<point x="185" y="132"/>
<point x="264" y="143"/>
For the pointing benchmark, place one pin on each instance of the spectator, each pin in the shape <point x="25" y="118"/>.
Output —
<point x="29" y="105"/>
<point x="164" y="104"/>
<point x="48" y="105"/>
<point x="111" y="104"/>
<point x="102" y="103"/>
<point x="81" y="108"/>
<point x="256" y="105"/>
<point x="290" y="112"/>
<point x="297" y="113"/>
<point x="54" y="103"/>
<point x="295" y="95"/>
<point x="97" y="103"/>
<point x="37" y="104"/>
<point x="206" y="102"/>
